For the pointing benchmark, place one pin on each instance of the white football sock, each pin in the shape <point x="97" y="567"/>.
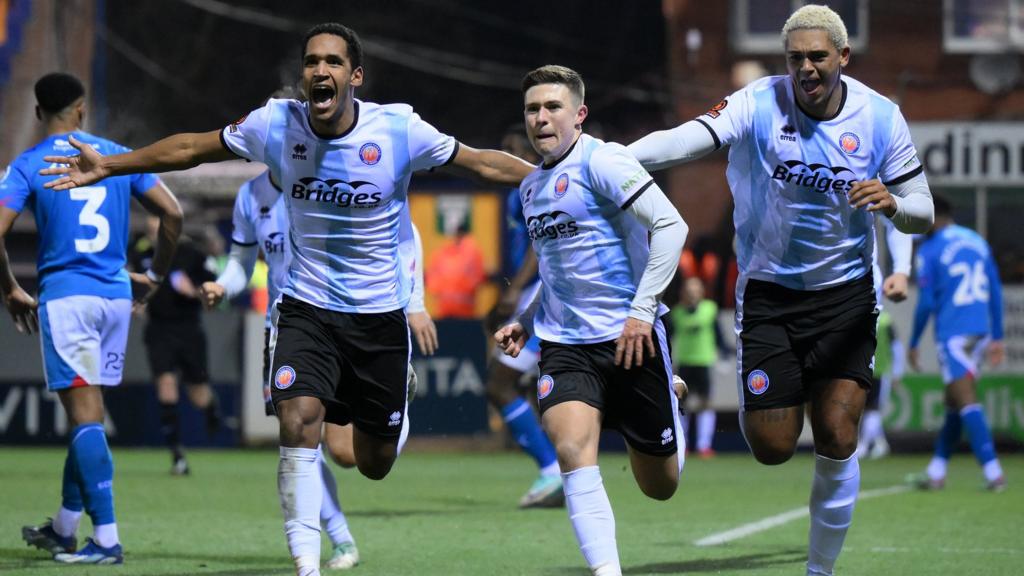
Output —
<point x="105" y="535"/>
<point x="300" y="488"/>
<point x="551" y="469"/>
<point x="331" y="516"/>
<point x="871" y="427"/>
<point x="833" y="495"/>
<point x="705" y="429"/>
<point x="591" y="515"/>
<point x="609" y="569"/>
<point x="992" y="470"/>
<point x="937" y="468"/>
<point x="65" y="522"/>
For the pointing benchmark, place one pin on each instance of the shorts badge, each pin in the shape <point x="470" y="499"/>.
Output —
<point x="284" y="377"/>
<point x="757" y="382"/>
<point x="544" y="386"/>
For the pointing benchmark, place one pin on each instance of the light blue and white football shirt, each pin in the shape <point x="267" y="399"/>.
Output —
<point x="83" y="232"/>
<point x="790" y="174"/>
<point x="261" y="219"/>
<point x="591" y="251"/>
<point x="351" y="236"/>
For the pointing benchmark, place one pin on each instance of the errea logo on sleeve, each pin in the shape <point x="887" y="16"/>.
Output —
<point x="638" y="177"/>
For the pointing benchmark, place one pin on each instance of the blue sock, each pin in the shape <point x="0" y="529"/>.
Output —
<point x="978" y="433"/>
<point x="949" y="435"/>
<point x="71" y="490"/>
<point x="526" y="430"/>
<point x="95" y="471"/>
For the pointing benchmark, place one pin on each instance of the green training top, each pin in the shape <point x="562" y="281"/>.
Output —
<point x="693" y="342"/>
<point x="883" y="347"/>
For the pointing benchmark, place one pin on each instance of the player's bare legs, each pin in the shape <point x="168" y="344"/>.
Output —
<point x="374" y="456"/>
<point x="88" y="475"/>
<point x="962" y="406"/>
<point x="657" y="476"/>
<point x="836" y="407"/>
<point x="167" y="388"/>
<point x="575" y="429"/>
<point x="772" y="433"/>
<point x="961" y="393"/>
<point x="338" y="440"/>
<point x="84" y="405"/>
<point x="299" y="482"/>
<point x="167" y="396"/>
<point x="301" y="419"/>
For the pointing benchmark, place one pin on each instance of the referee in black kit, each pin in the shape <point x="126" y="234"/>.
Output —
<point x="175" y="340"/>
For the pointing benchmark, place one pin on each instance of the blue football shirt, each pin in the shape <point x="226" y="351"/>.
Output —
<point x="959" y="283"/>
<point x="83" y="232"/>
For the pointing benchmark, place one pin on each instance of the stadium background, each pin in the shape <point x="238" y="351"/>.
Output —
<point x="162" y="66"/>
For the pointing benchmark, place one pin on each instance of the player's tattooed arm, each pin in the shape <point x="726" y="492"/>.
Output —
<point x="176" y="152"/>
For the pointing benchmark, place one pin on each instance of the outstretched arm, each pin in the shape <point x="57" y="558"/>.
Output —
<point x="492" y="166"/>
<point x="176" y="152"/>
<point x="666" y="148"/>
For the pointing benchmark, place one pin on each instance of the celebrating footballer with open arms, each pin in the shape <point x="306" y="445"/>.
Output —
<point x="814" y="155"/>
<point x="341" y="331"/>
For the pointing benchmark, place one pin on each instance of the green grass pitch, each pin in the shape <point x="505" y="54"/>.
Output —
<point x="454" y="514"/>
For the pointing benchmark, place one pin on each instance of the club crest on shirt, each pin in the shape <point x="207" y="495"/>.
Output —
<point x="234" y="125"/>
<point x="284" y="377"/>
<point x="849" y="142"/>
<point x="716" y="110"/>
<point x="369" y="153"/>
<point x="757" y="382"/>
<point x="561" y="185"/>
<point x="544" y="386"/>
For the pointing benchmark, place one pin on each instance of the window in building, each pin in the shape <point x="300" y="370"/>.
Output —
<point x="981" y="26"/>
<point x="757" y="24"/>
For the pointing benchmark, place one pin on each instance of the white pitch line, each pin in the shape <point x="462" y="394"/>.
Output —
<point x="943" y="550"/>
<point x="780" y="519"/>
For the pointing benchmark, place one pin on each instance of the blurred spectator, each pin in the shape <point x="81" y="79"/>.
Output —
<point x="696" y="344"/>
<point x="455" y="272"/>
<point x="259" y="287"/>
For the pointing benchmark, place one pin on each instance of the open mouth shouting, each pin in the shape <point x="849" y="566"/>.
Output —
<point x="322" y="97"/>
<point x="811" y="87"/>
